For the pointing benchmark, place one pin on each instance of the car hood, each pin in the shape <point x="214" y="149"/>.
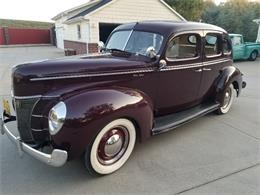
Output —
<point x="76" y="66"/>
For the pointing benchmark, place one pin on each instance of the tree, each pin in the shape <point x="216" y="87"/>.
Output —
<point x="235" y="16"/>
<point x="189" y="9"/>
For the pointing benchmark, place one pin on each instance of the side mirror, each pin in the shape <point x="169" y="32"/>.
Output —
<point x="150" y="52"/>
<point x="101" y="46"/>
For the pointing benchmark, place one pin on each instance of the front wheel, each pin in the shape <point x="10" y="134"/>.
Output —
<point x="229" y="96"/>
<point x="111" y="148"/>
<point x="253" y="56"/>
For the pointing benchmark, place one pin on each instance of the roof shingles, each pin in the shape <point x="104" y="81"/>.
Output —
<point x="91" y="9"/>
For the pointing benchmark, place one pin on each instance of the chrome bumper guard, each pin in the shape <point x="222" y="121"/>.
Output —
<point x="56" y="159"/>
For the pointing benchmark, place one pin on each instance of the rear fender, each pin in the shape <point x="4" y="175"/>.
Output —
<point x="89" y="111"/>
<point x="228" y="75"/>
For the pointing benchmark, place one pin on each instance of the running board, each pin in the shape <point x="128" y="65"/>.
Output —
<point x="172" y="121"/>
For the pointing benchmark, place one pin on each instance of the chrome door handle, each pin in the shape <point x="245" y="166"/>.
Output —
<point x="207" y="69"/>
<point x="198" y="70"/>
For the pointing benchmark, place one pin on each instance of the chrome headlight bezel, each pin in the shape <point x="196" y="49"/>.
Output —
<point x="56" y="118"/>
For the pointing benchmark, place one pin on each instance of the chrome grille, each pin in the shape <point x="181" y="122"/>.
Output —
<point x="24" y="109"/>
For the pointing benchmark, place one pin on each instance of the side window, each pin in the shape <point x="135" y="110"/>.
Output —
<point x="237" y="40"/>
<point x="213" y="45"/>
<point x="183" y="47"/>
<point x="226" y="44"/>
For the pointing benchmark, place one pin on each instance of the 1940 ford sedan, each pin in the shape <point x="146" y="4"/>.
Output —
<point x="151" y="77"/>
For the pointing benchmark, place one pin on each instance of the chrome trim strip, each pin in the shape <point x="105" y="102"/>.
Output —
<point x="34" y="96"/>
<point x="38" y="116"/>
<point x="176" y="67"/>
<point x="213" y="56"/>
<point x="216" y="62"/>
<point x="27" y="97"/>
<point x="93" y="75"/>
<point x="182" y="60"/>
<point x="182" y="67"/>
<point x="39" y="130"/>
<point x="56" y="159"/>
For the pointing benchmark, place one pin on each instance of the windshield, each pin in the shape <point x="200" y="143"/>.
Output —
<point x="135" y="42"/>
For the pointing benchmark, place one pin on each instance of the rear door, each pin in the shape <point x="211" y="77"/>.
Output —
<point x="216" y="55"/>
<point x="179" y="81"/>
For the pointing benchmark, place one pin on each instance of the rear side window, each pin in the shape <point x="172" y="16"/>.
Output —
<point x="213" y="45"/>
<point x="226" y="45"/>
<point x="183" y="47"/>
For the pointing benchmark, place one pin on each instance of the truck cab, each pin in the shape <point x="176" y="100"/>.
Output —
<point x="244" y="50"/>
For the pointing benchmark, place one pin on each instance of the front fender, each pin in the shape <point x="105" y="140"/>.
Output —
<point x="228" y="75"/>
<point x="89" y="111"/>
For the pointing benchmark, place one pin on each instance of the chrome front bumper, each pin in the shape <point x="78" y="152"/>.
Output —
<point x="57" y="158"/>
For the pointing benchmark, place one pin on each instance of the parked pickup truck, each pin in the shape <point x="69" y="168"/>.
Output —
<point x="244" y="50"/>
<point x="152" y="77"/>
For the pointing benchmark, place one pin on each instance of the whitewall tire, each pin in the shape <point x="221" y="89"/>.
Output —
<point x="229" y="96"/>
<point x="111" y="148"/>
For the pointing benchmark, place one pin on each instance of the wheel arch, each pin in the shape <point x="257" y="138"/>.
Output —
<point x="89" y="111"/>
<point x="228" y="75"/>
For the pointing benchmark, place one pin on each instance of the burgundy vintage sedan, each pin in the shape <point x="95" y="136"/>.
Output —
<point x="151" y="77"/>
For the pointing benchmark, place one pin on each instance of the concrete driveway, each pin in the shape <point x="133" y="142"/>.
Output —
<point x="211" y="155"/>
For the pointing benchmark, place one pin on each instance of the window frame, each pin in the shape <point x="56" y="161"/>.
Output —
<point x="228" y="39"/>
<point x="219" y="35"/>
<point x="198" y="48"/>
<point x="79" y="31"/>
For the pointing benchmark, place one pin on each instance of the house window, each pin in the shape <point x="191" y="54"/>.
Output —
<point x="79" y="31"/>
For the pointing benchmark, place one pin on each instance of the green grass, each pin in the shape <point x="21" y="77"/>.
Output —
<point x="25" y="24"/>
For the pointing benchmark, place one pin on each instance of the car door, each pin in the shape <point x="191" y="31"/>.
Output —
<point x="179" y="81"/>
<point x="216" y="55"/>
<point x="238" y="47"/>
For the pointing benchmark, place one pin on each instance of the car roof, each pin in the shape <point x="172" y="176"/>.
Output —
<point x="168" y="27"/>
<point x="235" y="35"/>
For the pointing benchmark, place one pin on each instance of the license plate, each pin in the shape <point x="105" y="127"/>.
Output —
<point x="7" y="108"/>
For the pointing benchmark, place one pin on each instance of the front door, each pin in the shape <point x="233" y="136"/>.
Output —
<point x="179" y="81"/>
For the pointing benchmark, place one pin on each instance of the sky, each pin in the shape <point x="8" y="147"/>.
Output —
<point x="37" y="10"/>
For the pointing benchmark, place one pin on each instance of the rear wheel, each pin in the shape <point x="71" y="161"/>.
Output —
<point x="253" y="56"/>
<point x="111" y="148"/>
<point x="229" y="96"/>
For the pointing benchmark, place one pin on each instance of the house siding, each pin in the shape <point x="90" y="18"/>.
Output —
<point x="70" y="32"/>
<point x="115" y="12"/>
<point x="123" y="11"/>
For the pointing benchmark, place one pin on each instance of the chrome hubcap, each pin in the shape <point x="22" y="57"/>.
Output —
<point x="227" y="98"/>
<point x="253" y="55"/>
<point x="113" y="145"/>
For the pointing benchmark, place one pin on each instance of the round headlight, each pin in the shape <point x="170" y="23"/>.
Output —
<point x="57" y="117"/>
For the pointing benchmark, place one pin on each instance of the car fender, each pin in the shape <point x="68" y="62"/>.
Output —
<point x="250" y="47"/>
<point x="89" y="111"/>
<point x="228" y="75"/>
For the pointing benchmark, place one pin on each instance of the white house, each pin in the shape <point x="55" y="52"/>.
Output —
<point x="82" y="27"/>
